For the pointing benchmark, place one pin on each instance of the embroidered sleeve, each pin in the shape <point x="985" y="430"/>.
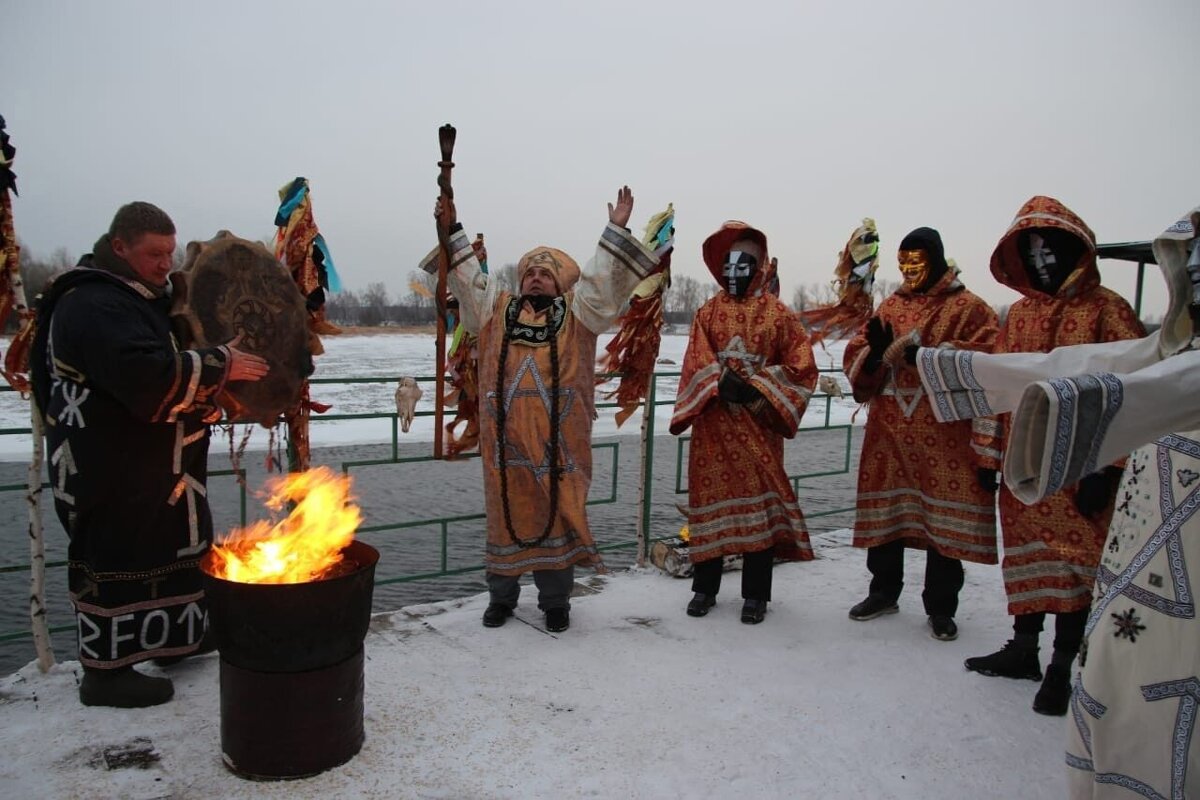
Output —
<point x="698" y="383"/>
<point x="788" y="385"/>
<point x="467" y="282"/>
<point x="949" y="378"/>
<point x="618" y="266"/>
<point x="1058" y="430"/>
<point x="1063" y="428"/>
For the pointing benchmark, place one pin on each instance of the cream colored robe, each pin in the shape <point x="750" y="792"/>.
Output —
<point x="1134" y="722"/>
<point x="519" y="502"/>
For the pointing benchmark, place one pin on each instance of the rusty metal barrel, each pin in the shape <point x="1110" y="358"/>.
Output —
<point x="292" y="668"/>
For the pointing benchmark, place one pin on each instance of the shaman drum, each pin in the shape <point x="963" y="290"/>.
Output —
<point x="232" y="287"/>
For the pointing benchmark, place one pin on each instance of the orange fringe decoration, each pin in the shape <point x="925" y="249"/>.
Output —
<point x="12" y="298"/>
<point x="854" y="277"/>
<point x="634" y="350"/>
<point x="463" y="373"/>
<point x="297" y="422"/>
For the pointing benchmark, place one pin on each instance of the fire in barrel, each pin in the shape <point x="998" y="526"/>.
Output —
<point x="289" y="604"/>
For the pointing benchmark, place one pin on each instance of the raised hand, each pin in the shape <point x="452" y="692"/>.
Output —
<point x="623" y="210"/>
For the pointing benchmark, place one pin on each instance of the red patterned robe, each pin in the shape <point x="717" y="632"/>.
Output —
<point x="917" y="477"/>
<point x="739" y="497"/>
<point x="1051" y="550"/>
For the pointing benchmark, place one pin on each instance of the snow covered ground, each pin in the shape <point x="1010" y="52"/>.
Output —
<point x="635" y="700"/>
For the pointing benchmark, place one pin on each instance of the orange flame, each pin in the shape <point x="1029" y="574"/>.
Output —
<point x="304" y="546"/>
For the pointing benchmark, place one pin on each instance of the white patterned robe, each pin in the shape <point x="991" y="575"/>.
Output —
<point x="1135" y="710"/>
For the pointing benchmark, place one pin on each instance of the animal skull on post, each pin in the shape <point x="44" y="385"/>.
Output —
<point x="829" y="385"/>
<point x="407" y="396"/>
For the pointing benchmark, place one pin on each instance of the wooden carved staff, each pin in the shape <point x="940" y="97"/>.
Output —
<point x="446" y="135"/>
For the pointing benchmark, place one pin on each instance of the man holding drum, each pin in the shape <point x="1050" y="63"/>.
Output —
<point x="126" y="415"/>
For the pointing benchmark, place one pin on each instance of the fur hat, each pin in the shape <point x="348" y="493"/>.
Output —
<point x="564" y="268"/>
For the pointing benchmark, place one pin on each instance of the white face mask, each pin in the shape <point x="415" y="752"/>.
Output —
<point x="1193" y="270"/>
<point x="739" y="269"/>
<point x="1041" y="259"/>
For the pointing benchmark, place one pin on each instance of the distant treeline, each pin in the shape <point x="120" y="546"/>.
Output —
<point x="374" y="306"/>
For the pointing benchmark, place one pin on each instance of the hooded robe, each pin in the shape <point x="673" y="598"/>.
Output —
<point x="1050" y="548"/>
<point x="917" y="478"/>
<point x="1132" y="725"/>
<point x="740" y="499"/>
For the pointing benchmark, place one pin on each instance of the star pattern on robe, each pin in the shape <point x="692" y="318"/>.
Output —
<point x="736" y="350"/>
<point x="1128" y="625"/>
<point x="1176" y="506"/>
<point x="516" y="457"/>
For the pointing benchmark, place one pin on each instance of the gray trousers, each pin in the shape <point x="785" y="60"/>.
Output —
<point x="553" y="585"/>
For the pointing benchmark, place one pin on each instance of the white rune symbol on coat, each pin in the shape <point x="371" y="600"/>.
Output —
<point x="64" y="461"/>
<point x="74" y="395"/>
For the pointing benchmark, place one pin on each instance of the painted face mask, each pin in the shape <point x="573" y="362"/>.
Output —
<point x="914" y="268"/>
<point x="739" y="269"/>
<point x="1050" y="255"/>
<point x="1042" y="263"/>
<point x="1193" y="270"/>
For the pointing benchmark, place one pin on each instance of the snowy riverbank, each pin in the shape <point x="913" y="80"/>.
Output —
<point x="635" y="700"/>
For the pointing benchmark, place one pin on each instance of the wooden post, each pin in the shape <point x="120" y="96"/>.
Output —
<point x="446" y="136"/>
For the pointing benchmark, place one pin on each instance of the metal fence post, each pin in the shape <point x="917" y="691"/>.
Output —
<point x="646" y="495"/>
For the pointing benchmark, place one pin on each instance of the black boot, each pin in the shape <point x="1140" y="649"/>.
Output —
<point x="754" y="611"/>
<point x="699" y="605"/>
<point x="495" y="615"/>
<point x="874" y="606"/>
<point x="558" y="619"/>
<point x="1010" y="661"/>
<point x="123" y="688"/>
<point x="1055" y="695"/>
<point x="943" y="628"/>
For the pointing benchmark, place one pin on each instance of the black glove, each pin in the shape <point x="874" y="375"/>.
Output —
<point x="910" y="354"/>
<point x="732" y="389"/>
<point x="1096" y="491"/>
<point x="879" y="337"/>
<point x="989" y="479"/>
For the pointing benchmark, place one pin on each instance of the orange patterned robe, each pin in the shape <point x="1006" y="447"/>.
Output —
<point x="739" y="497"/>
<point x="518" y="496"/>
<point x="1051" y="551"/>
<point x="917" y="477"/>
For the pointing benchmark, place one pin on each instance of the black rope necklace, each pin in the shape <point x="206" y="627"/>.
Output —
<point x="502" y="421"/>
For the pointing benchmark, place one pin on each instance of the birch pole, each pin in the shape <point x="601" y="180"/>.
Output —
<point x="37" y="548"/>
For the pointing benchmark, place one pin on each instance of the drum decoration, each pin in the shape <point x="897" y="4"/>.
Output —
<point x="231" y="287"/>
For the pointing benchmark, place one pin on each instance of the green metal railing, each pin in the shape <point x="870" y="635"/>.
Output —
<point x="646" y="500"/>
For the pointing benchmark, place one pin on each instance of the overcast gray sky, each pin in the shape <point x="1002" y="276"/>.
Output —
<point x="798" y="117"/>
